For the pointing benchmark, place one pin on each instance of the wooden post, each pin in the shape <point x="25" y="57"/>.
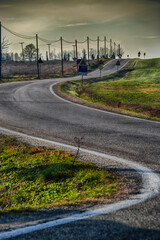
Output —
<point x="88" y="48"/>
<point x="105" y="47"/>
<point x="98" y="48"/>
<point x="76" y="54"/>
<point x="62" y="54"/>
<point x="110" y="48"/>
<point x="38" y="72"/>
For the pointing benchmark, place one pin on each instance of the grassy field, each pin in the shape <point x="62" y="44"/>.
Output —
<point x="40" y="178"/>
<point x="134" y="90"/>
<point x="20" y="71"/>
<point x="23" y="71"/>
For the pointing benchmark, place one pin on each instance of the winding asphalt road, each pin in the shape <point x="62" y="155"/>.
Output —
<point x="29" y="107"/>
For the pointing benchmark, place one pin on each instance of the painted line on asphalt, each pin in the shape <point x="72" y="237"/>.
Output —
<point x="96" y="109"/>
<point x="151" y="187"/>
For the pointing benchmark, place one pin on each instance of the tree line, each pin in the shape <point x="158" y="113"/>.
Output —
<point x="29" y="53"/>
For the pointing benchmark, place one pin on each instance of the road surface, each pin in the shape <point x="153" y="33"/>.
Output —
<point x="30" y="107"/>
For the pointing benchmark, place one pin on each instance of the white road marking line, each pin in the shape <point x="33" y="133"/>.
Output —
<point x="151" y="186"/>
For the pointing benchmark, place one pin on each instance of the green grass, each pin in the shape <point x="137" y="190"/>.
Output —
<point x="19" y="78"/>
<point x="134" y="90"/>
<point x="38" y="178"/>
<point x="94" y="64"/>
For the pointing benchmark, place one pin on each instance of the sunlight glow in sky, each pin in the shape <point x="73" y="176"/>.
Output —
<point x="133" y="24"/>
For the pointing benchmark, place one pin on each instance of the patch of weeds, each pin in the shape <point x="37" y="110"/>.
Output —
<point x="39" y="177"/>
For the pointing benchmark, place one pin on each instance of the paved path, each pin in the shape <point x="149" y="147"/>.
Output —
<point x="29" y="107"/>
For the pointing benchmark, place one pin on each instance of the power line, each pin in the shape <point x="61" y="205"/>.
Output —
<point x="68" y="44"/>
<point x="68" y="41"/>
<point x="92" y="40"/>
<point x="48" y="41"/>
<point x="17" y="34"/>
<point x="82" y="42"/>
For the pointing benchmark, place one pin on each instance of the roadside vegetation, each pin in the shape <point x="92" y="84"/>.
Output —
<point x="135" y="90"/>
<point x="26" y="71"/>
<point x="39" y="178"/>
<point x="94" y="64"/>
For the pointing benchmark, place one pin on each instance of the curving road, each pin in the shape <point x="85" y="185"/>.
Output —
<point x="31" y="108"/>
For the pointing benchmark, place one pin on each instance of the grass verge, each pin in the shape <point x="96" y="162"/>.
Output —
<point x="39" y="178"/>
<point x="20" y="78"/>
<point x="135" y="90"/>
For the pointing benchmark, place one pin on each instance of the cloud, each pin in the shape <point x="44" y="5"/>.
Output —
<point x="150" y="37"/>
<point x="130" y="22"/>
<point x="75" y="24"/>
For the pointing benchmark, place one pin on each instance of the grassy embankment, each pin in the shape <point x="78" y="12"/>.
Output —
<point x="135" y="90"/>
<point x="40" y="178"/>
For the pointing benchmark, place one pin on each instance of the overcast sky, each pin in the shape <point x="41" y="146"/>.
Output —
<point x="134" y="24"/>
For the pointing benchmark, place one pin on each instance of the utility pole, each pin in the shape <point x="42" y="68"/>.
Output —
<point x="49" y="50"/>
<point x="22" y="49"/>
<point x="38" y="72"/>
<point x="88" y="48"/>
<point x="105" y="46"/>
<point x="107" y="52"/>
<point x="119" y="51"/>
<point x="62" y="54"/>
<point x="98" y="48"/>
<point x="115" y="48"/>
<point x="76" y="53"/>
<point x="111" y="48"/>
<point x="0" y="52"/>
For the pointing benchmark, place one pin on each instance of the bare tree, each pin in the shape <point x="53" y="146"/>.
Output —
<point x="120" y="52"/>
<point x="30" y="52"/>
<point x="5" y="43"/>
<point x="17" y="57"/>
<point x="78" y="141"/>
